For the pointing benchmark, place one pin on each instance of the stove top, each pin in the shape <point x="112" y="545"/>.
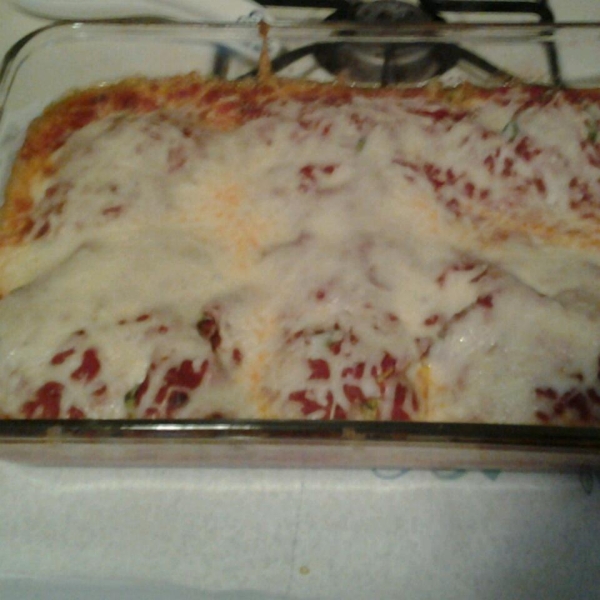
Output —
<point x="436" y="10"/>
<point x="377" y="64"/>
<point x="386" y="10"/>
<point x="385" y="64"/>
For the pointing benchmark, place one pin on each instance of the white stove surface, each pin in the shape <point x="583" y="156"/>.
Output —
<point x="213" y="534"/>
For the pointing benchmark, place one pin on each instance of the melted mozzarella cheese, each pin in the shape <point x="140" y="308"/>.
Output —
<point x="491" y="361"/>
<point x="315" y="262"/>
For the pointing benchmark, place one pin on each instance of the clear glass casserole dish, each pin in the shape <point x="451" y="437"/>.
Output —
<point x="48" y="63"/>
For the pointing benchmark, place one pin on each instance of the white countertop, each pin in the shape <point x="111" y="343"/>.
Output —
<point x="264" y="534"/>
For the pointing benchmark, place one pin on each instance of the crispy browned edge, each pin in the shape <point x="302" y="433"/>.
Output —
<point x="217" y="103"/>
<point x="221" y="104"/>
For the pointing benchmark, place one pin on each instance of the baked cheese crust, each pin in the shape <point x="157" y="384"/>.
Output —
<point x="190" y="248"/>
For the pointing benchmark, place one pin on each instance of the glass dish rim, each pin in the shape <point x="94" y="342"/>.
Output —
<point x="328" y="32"/>
<point x="499" y="434"/>
<point x="471" y="435"/>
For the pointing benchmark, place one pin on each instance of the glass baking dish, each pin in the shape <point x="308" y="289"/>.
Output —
<point x="50" y="62"/>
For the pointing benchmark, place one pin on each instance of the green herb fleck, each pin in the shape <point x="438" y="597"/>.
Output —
<point x="511" y="130"/>
<point x="130" y="399"/>
<point x="591" y="124"/>
<point x="368" y="409"/>
<point x="592" y="131"/>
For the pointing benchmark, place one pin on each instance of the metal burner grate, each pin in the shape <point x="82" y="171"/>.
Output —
<point x="533" y="7"/>
<point x="408" y="63"/>
<point x="537" y="8"/>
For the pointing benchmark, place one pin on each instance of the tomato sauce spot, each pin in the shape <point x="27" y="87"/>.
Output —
<point x="185" y="375"/>
<point x="432" y="320"/>
<point x="208" y="328"/>
<point x="99" y="391"/>
<point x="398" y="412"/>
<point x="46" y="404"/>
<point x="236" y="356"/>
<point x="59" y="359"/>
<point x="319" y="369"/>
<point x="89" y="367"/>
<point x="176" y="401"/>
<point x="388" y="364"/>
<point x="357" y="371"/>
<point x="42" y="231"/>
<point x="354" y="394"/>
<point x="75" y="413"/>
<point x="308" y="406"/>
<point x="335" y="347"/>
<point x="182" y="376"/>
<point x="112" y="211"/>
<point x="486" y="301"/>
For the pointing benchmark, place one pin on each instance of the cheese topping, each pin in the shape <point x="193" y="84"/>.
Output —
<point x="380" y="256"/>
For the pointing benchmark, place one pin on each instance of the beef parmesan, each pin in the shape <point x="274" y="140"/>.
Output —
<point x="190" y="249"/>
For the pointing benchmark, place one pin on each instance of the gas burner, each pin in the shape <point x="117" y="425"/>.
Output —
<point x="389" y="12"/>
<point x="385" y="63"/>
